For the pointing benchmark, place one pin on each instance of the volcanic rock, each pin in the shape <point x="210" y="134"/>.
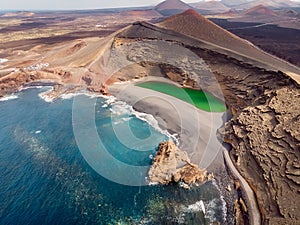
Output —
<point x="259" y="10"/>
<point x="266" y="143"/>
<point x="193" y="24"/>
<point x="171" y="7"/>
<point x="173" y="165"/>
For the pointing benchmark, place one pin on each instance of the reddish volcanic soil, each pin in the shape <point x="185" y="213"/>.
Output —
<point x="260" y="10"/>
<point x="172" y="4"/>
<point x="193" y="24"/>
<point x="264" y="101"/>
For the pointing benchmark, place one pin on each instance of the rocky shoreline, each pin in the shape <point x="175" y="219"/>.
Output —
<point x="263" y="98"/>
<point x="171" y="164"/>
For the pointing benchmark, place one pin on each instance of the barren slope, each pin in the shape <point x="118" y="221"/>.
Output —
<point x="193" y="24"/>
<point x="171" y="7"/>
<point x="264" y="130"/>
<point x="172" y="4"/>
<point x="259" y="10"/>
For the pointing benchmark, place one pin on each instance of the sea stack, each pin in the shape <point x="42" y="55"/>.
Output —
<point x="171" y="164"/>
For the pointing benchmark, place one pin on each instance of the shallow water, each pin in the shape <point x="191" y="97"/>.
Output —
<point x="198" y="98"/>
<point x="46" y="180"/>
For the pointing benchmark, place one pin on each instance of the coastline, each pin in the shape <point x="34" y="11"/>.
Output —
<point x="147" y="101"/>
<point x="142" y="101"/>
<point x="179" y="118"/>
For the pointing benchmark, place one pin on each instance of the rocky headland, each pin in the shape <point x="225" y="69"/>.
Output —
<point x="262" y="93"/>
<point x="171" y="164"/>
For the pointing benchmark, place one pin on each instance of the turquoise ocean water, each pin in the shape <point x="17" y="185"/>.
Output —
<point x="46" y="180"/>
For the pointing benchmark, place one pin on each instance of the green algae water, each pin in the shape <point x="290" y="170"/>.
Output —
<point x="198" y="98"/>
<point x="45" y="179"/>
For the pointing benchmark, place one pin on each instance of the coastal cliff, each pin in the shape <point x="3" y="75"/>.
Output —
<point x="265" y="140"/>
<point x="264" y="102"/>
<point x="171" y="164"/>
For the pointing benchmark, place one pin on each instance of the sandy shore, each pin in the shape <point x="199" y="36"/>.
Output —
<point x="196" y="128"/>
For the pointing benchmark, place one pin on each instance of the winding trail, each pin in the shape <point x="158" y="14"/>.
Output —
<point x="254" y="214"/>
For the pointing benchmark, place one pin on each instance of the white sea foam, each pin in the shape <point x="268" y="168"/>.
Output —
<point x="210" y="213"/>
<point x="70" y="95"/>
<point x="154" y="123"/>
<point x="88" y="94"/>
<point x="196" y="207"/>
<point x="117" y="107"/>
<point x="207" y="208"/>
<point x="48" y="98"/>
<point x="153" y="183"/>
<point x="7" y="98"/>
<point x="31" y="87"/>
<point x="224" y="208"/>
<point x="122" y="108"/>
<point x="44" y="95"/>
<point x="109" y="99"/>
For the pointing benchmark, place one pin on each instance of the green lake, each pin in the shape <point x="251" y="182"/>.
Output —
<point x="198" y="98"/>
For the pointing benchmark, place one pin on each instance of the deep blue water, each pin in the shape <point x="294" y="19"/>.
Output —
<point x="46" y="180"/>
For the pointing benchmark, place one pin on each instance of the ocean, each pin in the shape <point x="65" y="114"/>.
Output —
<point x="54" y="170"/>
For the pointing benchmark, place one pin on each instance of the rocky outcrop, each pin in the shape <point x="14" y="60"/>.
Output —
<point x="173" y="165"/>
<point x="266" y="140"/>
<point x="11" y="83"/>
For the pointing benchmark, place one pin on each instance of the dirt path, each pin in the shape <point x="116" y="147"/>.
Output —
<point x="254" y="214"/>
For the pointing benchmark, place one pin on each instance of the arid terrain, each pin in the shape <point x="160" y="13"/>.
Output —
<point x="276" y="31"/>
<point x="93" y="50"/>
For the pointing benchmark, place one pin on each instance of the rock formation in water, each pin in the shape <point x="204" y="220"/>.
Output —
<point x="171" y="164"/>
<point x="261" y="91"/>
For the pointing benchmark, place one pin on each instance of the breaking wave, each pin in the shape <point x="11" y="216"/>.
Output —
<point x="7" y="98"/>
<point x="122" y="108"/>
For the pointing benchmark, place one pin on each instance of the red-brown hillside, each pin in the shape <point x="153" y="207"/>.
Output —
<point x="259" y="10"/>
<point x="195" y="25"/>
<point x="171" y="5"/>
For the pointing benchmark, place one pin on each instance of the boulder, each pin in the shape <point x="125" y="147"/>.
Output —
<point x="173" y="165"/>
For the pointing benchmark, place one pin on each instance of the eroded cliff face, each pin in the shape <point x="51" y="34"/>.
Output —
<point x="171" y="164"/>
<point x="266" y="143"/>
<point x="263" y="132"/>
